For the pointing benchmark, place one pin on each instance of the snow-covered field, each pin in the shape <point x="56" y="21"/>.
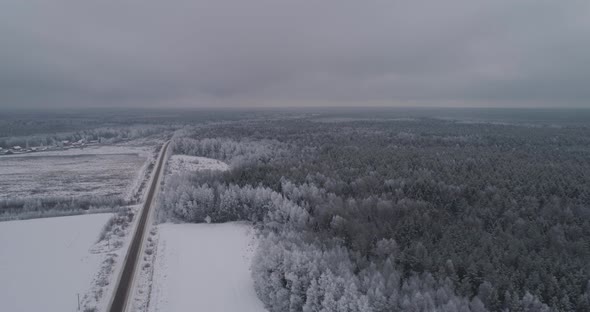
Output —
<point x="89" y="150"/>
<point x="204" y="267"/>
<point x="185" y="163"/>
<point x="100" y="171"/>
<point x="45" y="263"/>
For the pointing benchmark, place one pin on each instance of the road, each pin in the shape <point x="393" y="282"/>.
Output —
<point x="123" y="288"/>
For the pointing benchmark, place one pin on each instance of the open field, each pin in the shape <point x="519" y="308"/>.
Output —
<point x="45" y="263"/>
<point x="98" y="172"/>
<point x="204" y="267"/>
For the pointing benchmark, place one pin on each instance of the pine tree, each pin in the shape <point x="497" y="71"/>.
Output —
<point x="313" y="298"/>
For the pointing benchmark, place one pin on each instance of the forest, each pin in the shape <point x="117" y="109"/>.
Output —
<point x="399" y="214"/>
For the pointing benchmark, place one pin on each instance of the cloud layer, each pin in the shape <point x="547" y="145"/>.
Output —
<point x="273" y="53"/>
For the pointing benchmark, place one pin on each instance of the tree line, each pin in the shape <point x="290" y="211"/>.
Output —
<point x="404" y="215"/>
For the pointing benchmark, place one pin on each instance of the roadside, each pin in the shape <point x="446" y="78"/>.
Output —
<point x="114" y="243"/>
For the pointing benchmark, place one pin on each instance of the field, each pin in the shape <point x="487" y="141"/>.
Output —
<point x="97" y="171"/>
<point x="45" y="263"/>
<point x="204" y="267"/>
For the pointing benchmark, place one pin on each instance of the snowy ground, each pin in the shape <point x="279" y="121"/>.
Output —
<point x="45" y="263"/>
<point x="99" y="171"/>
<point x="113" y="245"/>
<point x="90" y="150"/>
<point x="184" y="163"/>
<point x="204" y="267"/>
<point x="146" y="284"/>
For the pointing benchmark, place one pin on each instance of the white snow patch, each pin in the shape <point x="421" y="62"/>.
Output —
<point x="204" y="267"/>
<point x="184" y="163"/>
<point x="45" y="263"/>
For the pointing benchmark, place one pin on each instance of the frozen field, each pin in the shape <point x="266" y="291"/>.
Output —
<point x="184" y="163"/>
<point x="92" y="171"/>
<point x="204" y="267"/>
<point x="45" y="263"/>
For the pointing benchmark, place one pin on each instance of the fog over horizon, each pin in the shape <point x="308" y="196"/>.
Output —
<point x="268" y="53"/>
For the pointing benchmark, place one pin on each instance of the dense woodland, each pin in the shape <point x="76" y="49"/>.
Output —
<point x="400" y="215"/>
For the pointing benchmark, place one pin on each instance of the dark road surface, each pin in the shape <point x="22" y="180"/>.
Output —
<point x="123" y="289"/>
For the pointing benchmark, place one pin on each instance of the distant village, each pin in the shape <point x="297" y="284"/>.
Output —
<point x="62" y="145"/>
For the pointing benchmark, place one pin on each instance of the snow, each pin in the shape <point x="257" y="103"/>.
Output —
<point x="43" y="174"/>
<point x="113" y="246"/>
<point x="45" y="263"/>
<point x="91" y="150"/>
<point x="204" y="267"/>
<point x="184" y="163"/>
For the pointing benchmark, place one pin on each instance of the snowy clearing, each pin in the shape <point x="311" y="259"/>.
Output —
<point x="184" y="163"/>
<point x="45" y="263"/>
<point x="90" y="150"/>
<point x="204" y="267"/>
<point x="104" y="173"/>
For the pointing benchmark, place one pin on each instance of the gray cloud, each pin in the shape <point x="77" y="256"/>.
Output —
<point x="268" y="52"/>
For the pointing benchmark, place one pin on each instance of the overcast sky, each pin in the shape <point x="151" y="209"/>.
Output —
<point x="289" y="53"/>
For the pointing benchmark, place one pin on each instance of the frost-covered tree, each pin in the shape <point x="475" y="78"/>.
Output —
<point x="421" y="215"/>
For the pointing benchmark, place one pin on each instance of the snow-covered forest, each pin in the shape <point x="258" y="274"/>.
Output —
<point x="402" y="214"/>
<point x="359" y="210"/>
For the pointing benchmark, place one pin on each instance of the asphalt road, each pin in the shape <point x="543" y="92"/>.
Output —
<point x="123" y="289"/>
